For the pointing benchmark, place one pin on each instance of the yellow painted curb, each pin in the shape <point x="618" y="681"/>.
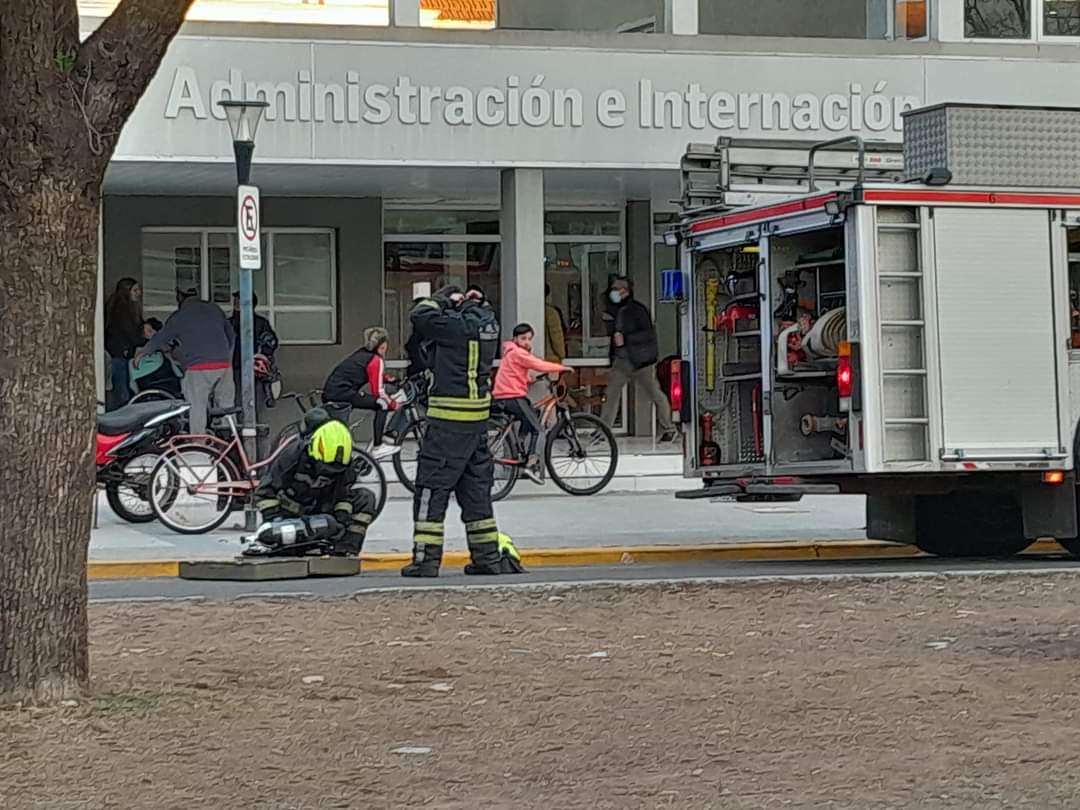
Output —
<point x="606" y="555"/>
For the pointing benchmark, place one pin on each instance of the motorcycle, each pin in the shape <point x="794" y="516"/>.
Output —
<point x="129" y="441"/>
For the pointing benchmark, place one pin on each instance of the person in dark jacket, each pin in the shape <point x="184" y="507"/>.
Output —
<point x="358" y="381"/>
<point x="124" y="334"/>
<point x="418" y="350"/>
<point x="206" y="342"/>
<point x="634" y="352"/>
<point x="315" y="476"/>
<point x="454" y="457"/>
<point x="266" y="339"/>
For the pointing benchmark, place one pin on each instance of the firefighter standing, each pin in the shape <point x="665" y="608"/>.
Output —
<point x="454" y="457"/>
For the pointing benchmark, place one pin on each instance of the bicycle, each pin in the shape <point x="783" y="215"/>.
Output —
<point x="207" y="470"/>
<point x="407" y="428"/>
<point x="568" y="438"/>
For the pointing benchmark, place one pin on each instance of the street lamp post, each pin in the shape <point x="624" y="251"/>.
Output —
<point x="244" y="118"/>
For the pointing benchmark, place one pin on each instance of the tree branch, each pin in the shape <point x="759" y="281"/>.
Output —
<point x="117" y="62"/>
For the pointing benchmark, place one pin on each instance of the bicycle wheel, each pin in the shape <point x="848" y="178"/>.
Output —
<point x="503" y="444"/>
<point x="581" y="454"/>
<point x="370" y="475"/>
<point x="405" y="461"/>
<point x="192" y="489"/>
<point x="129" y="498"/>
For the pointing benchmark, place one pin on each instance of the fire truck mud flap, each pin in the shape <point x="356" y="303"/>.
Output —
<point x="785" y="491"/>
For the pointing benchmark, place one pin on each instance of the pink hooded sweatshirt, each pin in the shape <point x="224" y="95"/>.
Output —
<point x="512" y="379"/>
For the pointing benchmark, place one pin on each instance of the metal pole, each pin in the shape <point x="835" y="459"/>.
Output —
<point x="249" y="430"/>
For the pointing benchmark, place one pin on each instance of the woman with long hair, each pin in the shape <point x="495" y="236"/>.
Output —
<point x="123" y="335"/>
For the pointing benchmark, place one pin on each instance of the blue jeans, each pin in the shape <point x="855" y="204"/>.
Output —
<point x="121" y="384"/>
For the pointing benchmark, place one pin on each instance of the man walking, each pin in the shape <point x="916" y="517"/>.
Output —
<point x="205" y="341"/>
<point x="454" y="456"/>
<point x="634" y="352"/>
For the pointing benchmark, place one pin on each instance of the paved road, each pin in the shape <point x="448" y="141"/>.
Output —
<point x="167" y="588"/>
<point x="542" y="522"/>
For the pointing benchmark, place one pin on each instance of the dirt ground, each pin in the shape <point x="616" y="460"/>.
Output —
<point x="918" y="694"/>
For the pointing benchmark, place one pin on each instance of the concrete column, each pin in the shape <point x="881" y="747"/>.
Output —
<point x="99" y="308"/>
<point x="521" y="224"/>
<point x="681" y="17"/>
<point x="639" y="254"/>
<point x="405" y="13"/>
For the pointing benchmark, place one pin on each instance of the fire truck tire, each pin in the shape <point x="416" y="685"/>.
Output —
<point x="970" y="524"/>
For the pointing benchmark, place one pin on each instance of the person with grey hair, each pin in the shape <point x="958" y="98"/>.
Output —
<point x="358" y="382"/>
<point x="634" y="352"/>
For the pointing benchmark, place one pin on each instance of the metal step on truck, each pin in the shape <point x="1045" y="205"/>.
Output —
<point x="901" y="325"/>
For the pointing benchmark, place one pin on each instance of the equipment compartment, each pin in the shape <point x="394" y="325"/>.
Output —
<point x="728" y="384"/>
<point x="808" y="330"/>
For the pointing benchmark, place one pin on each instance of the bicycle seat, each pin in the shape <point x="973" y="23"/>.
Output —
<point x="133" y="417"/>
<point x="217" y="413"/>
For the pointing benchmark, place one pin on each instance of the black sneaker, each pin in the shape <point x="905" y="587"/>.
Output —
<point x="668" y="436"/>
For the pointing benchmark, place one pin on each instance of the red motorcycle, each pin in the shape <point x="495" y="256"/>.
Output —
<point x="129" y="442"/>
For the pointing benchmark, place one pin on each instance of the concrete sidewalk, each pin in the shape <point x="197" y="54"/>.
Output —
<point x="615" y="519"/>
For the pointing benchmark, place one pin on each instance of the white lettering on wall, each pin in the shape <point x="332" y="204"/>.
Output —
<point x="530" y="101"/>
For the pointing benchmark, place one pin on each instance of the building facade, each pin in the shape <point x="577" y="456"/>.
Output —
<point x="536" y="147"/>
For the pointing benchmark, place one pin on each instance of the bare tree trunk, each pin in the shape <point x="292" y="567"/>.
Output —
<point x="62" y="105"/>
<point x="48" y="284"/>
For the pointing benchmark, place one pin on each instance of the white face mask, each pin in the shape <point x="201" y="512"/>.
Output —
<point x="615" y="296"/>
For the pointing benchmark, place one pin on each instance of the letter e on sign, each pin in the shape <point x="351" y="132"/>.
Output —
<point x="248" y="227"/>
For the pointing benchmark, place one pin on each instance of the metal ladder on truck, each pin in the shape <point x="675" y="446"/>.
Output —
<point x="733" y="173"/>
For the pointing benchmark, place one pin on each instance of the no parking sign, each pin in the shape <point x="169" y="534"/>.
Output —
<point x="248" y="227"/>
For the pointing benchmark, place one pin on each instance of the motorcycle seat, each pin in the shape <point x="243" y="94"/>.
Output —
<point x="132" y="417"/>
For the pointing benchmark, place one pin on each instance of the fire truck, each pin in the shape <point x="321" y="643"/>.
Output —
<point x="893" y="321"/>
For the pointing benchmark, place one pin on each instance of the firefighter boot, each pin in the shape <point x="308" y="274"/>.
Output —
<point x="492" y="558"/>
<point x="427" y="557"/>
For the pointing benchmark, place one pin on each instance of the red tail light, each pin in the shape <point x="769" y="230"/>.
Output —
<point x="844" y="374"/>
<point x="676" y="392"/>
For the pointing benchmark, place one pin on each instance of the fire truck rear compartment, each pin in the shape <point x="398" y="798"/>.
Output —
<point x="756" y="404"/>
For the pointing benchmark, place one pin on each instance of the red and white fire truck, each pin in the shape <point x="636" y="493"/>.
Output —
<point x="903" y="328"/>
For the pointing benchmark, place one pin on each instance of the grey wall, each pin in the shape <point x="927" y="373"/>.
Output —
<point x="357" y="221"/>
<point x="784" y="18"/>
<point x="577" y="15"/>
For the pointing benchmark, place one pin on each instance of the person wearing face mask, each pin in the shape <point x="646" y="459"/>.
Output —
<point x="634" y="352"/>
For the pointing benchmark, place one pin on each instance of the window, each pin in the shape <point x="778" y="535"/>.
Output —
<point x="665" y="257"/>
<point x="428" y="249"/>
<point x="997" y="19"/>
<point x="582" y="255"/>
<point x="635" y="16"/>
<point x="1061" y="18"/>
<point x="297" y="289"/>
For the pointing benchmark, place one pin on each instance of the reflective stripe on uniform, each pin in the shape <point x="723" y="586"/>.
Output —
<point x="343" y="506"/>
<point x="429" y="539"/>
<point x="477" y="525"/>
<point x="425" y="504"/>
<point x="267" y="503"/>
<point x="430" y="528"/>
<point x="482" y="537"/>
<point x="362" y="517"/>
<point x="461" y="403"/>
<point x="474" y="363"/>
<point x="458" y="416"/>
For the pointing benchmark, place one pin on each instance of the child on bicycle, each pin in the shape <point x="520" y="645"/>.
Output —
<point x="511" y="391"/>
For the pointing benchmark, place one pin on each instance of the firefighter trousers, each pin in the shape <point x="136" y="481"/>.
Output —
<point x="459" y="463"/>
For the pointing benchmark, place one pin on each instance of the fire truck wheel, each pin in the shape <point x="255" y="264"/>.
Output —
<point x="970" y="524"/>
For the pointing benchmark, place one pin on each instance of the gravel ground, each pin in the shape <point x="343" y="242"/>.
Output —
<point x="878" y="694"/>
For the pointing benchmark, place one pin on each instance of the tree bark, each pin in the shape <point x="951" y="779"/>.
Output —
<point x="62" y="105"/>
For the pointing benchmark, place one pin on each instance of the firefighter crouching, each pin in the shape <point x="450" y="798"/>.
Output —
<point x="308" y="500"/>
<point x="454" y="456"/>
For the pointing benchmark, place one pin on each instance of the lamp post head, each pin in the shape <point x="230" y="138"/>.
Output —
<point x="244" y="117"/>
